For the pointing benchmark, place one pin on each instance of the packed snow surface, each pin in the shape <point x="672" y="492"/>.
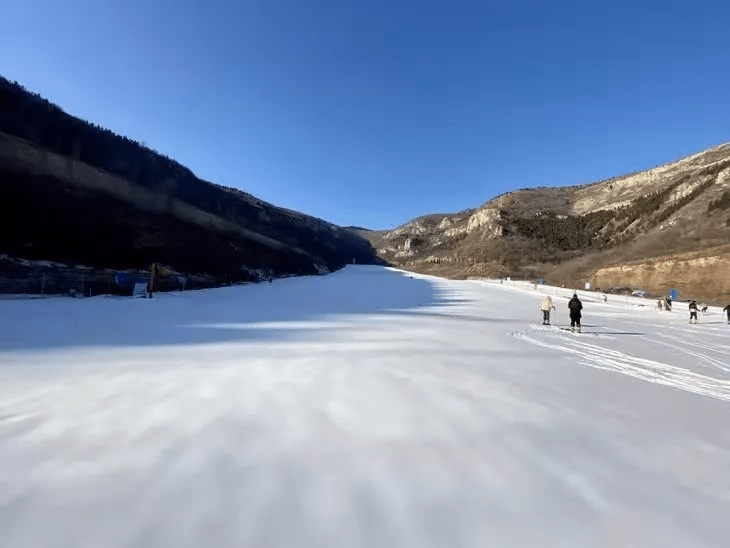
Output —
<point x="367" y="408"/>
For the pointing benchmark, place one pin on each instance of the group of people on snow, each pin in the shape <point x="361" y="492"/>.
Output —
<point x="694" y="307"/>
<point x="574" y="306"/>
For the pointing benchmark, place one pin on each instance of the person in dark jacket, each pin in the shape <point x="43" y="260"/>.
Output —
<point x="693" y="312"/>
<point x="727" y="311"/>
<point x="575" y="306"/>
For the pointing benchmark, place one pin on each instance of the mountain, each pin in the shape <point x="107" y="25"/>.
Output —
<point x="666" y="227"/>
<point x="74" y="192"/>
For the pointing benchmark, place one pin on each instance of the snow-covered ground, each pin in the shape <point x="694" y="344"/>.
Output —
<point x="371" y="408"/>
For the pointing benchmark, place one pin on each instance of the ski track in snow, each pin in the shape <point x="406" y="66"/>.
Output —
<point x="721" y="349"/>
<point x="365" y="408"/>
<point x="648" y="370"/>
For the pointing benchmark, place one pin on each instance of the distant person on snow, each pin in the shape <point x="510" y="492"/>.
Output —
<point x="692" y="312"/>
<point x="547" y="304"/>
<point x="575" y="307"/>
<point x="727" y="311"/>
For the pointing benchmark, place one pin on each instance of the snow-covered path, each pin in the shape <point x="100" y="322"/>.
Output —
<point x="366" y="408"/>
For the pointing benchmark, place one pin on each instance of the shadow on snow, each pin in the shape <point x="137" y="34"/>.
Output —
<point x="288" y="309"/>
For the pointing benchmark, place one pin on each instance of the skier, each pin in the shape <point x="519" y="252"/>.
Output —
<point x="727" y="310"/>
<point x="692" y="312"/>
<point x="575" y="307"/>
<point x="547" y="304"/>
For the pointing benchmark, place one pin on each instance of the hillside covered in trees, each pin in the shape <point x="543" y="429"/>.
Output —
<point x="77" y="192"/>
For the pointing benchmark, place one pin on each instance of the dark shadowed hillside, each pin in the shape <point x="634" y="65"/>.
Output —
<point x="76" y="192"/>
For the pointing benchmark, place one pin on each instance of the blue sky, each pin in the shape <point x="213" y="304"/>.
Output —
<point x="372" y="113"/>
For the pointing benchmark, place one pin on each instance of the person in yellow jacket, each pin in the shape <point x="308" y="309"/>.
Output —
<point x="547" y="304"/>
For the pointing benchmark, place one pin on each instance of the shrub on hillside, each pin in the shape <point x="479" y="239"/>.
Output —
<point x="723" y="202"/>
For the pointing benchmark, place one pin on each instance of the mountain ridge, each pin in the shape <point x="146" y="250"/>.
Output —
<point x="78" y="193"/>
<point x="566" y="234"/>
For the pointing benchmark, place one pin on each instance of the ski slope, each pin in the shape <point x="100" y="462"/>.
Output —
<point x="367" y="408"/>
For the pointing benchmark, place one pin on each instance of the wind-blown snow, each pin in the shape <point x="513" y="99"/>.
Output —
<point x="370" y="407"/>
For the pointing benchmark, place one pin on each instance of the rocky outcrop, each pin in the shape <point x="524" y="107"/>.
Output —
<point x="405" y="250"/>
<point x="486" y="220"/>
<point x="702" y="275"/>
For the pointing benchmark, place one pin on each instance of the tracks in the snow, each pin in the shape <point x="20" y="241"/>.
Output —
<point x="599" y="357"/>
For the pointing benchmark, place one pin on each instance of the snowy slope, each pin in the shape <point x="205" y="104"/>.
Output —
<point x="370" y="407"/>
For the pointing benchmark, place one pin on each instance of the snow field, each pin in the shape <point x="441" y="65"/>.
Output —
<point x="370" y="407"/>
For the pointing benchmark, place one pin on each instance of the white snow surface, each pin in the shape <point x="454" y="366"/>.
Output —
<point x="367" y="408"/>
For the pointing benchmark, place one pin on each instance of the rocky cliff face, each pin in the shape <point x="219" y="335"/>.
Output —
<point x="567" y="234"/>
<point x="702" y="275"/>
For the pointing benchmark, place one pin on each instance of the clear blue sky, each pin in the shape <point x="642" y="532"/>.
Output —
<point x="371" y="113"/>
